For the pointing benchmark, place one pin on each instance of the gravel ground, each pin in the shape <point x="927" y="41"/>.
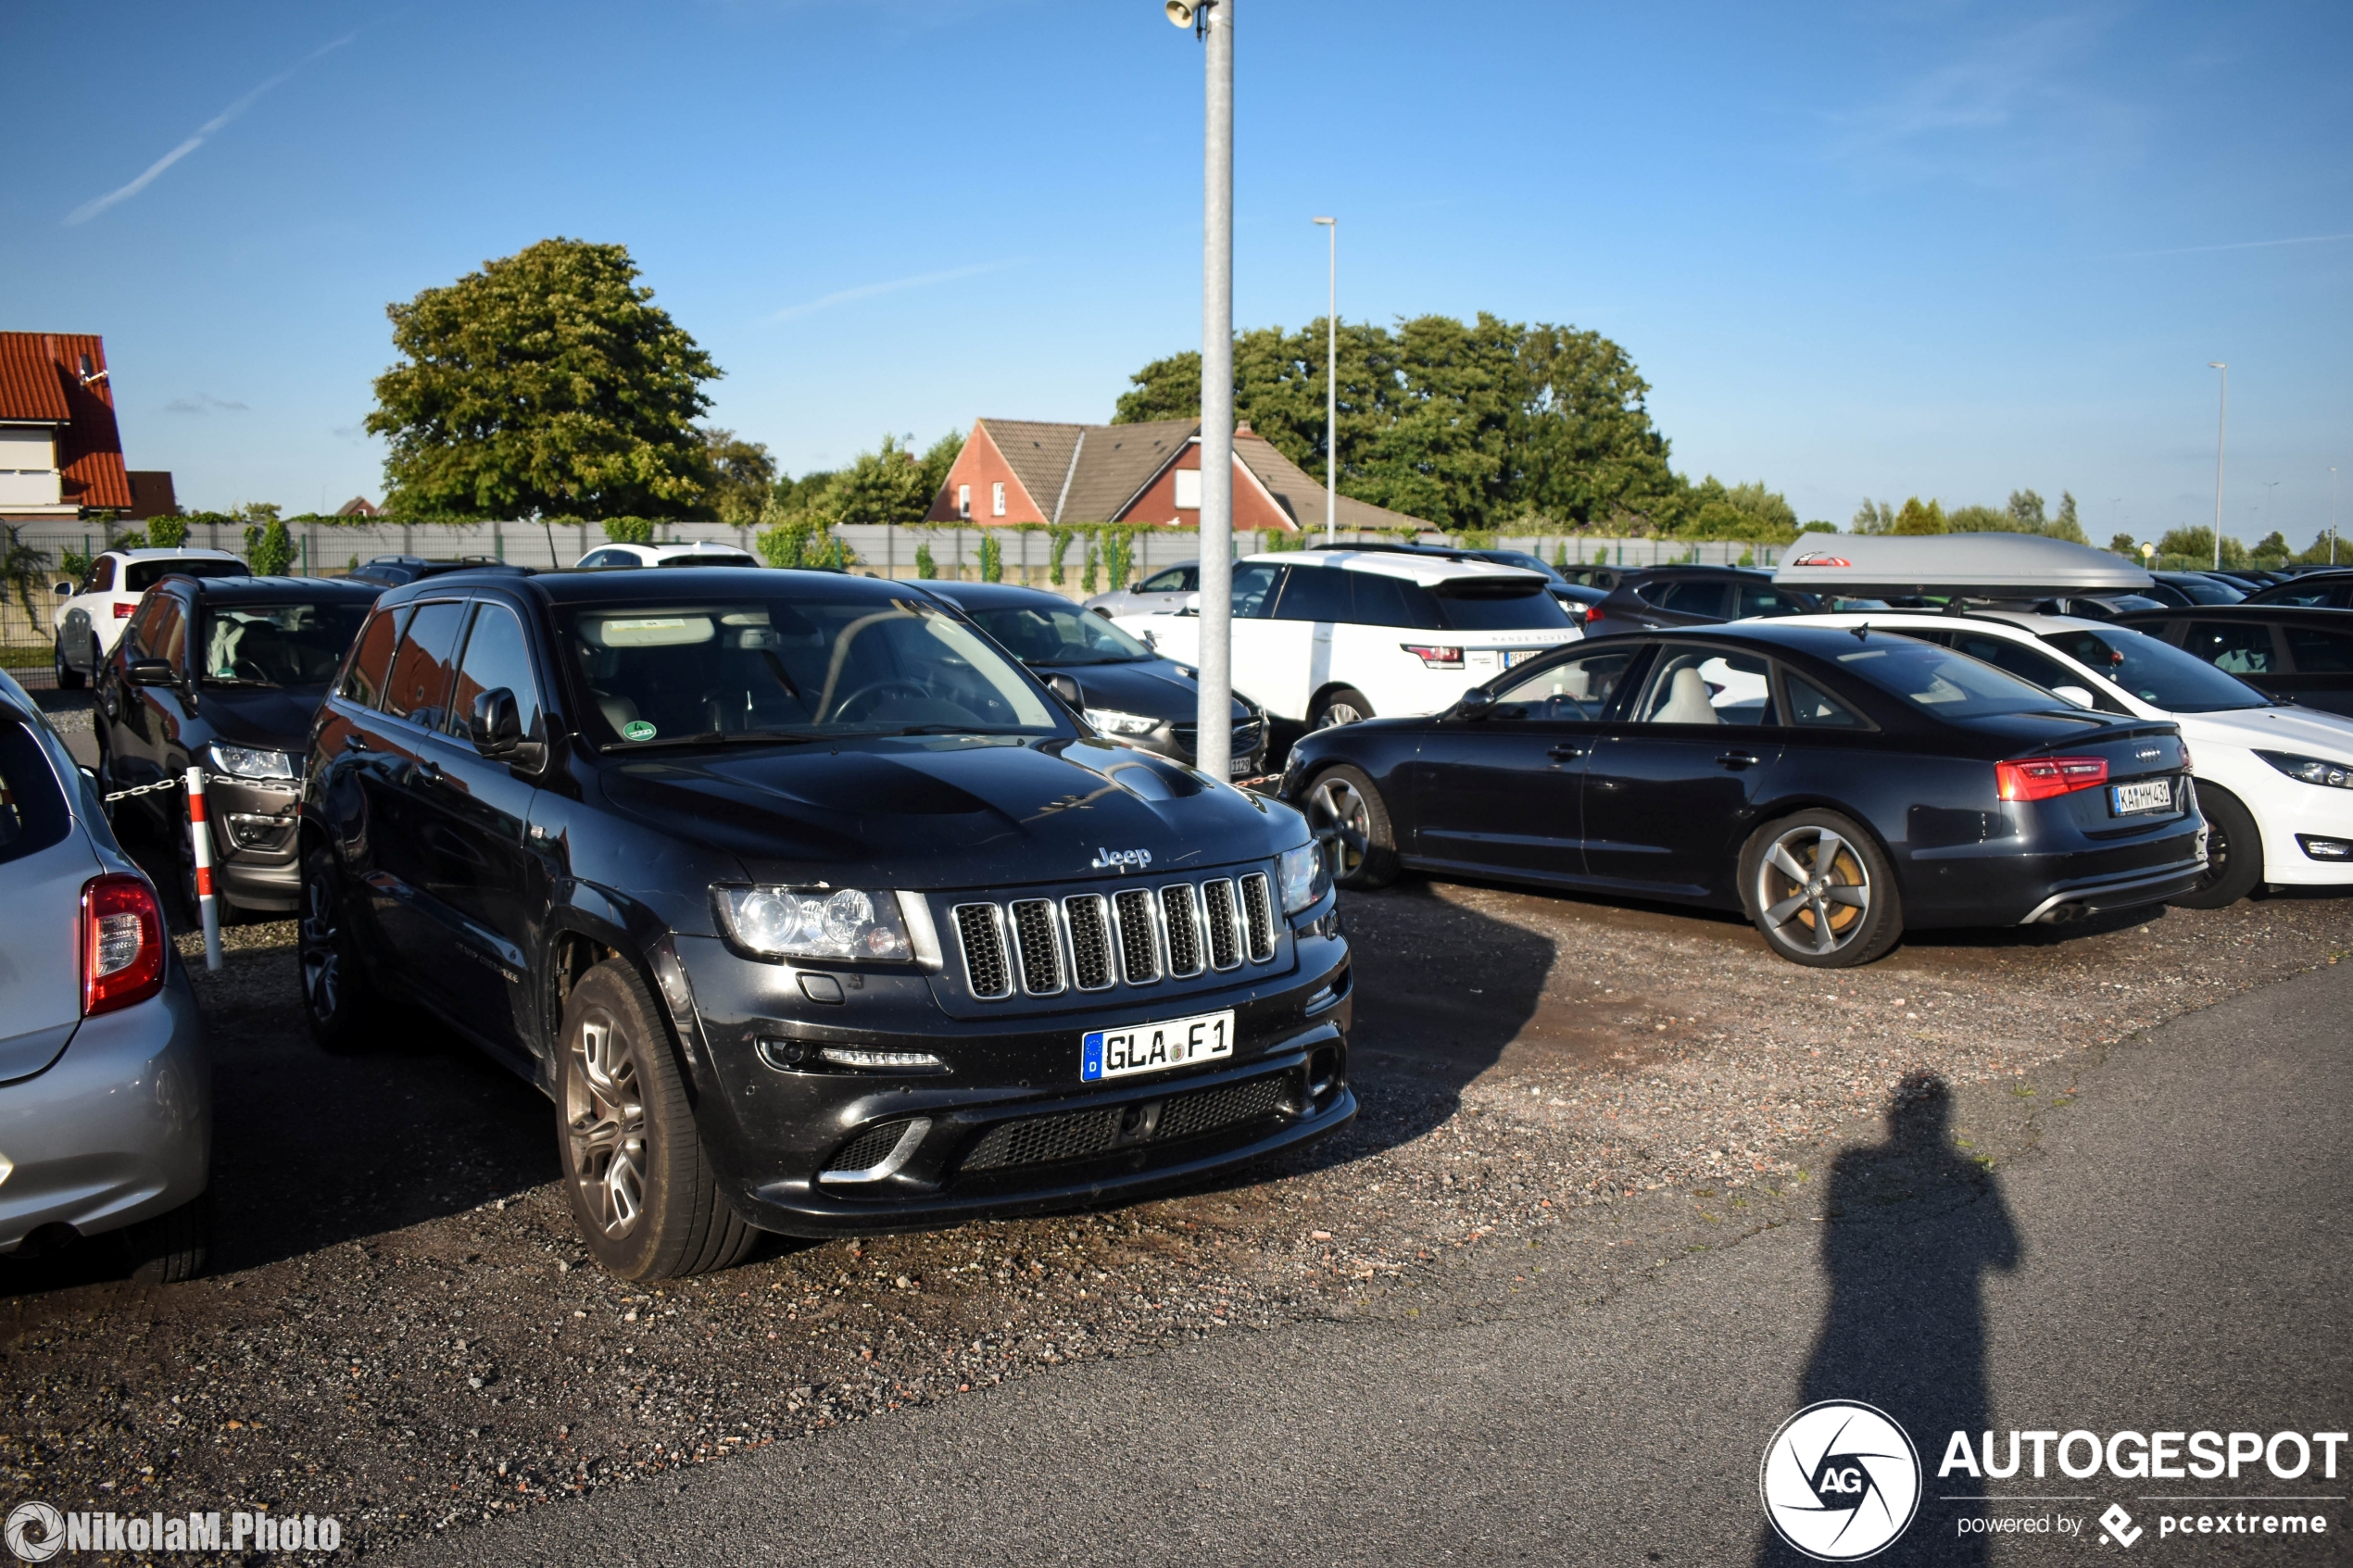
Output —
<point x="403" y="1332"/>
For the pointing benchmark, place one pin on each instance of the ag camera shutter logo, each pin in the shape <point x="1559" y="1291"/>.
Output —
<point x="1841" y="1481"/>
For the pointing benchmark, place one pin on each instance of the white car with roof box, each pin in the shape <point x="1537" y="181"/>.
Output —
<point x="90" y="621"/>
<point x="2274" y="781"/>
<point x="1327" y="637"/>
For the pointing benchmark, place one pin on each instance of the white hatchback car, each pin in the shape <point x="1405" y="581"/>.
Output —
<point x="672" y="554"/>
<point x="90" y="621"/>
<point x="1331" y="636"/>
<point x="2275" y="782"/>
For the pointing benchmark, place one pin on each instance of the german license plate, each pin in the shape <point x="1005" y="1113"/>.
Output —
<point x="1156" y="1048"/>
<point x="2149" y="795"/>
<point x="1520" y="656"/>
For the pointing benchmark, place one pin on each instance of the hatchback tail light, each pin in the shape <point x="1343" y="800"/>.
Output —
<point x="2040" y="778"/>
<point x="1436" y="658"/>
<point x="121" y="943"/>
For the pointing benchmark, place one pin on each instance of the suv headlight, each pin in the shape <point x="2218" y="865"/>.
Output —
<point x="250" y="761"/>
<point x="1112" y="721"/>
<point x="2311" y="769"/>
<point x="815" y="922"/>
<point x="1304" y="875"/>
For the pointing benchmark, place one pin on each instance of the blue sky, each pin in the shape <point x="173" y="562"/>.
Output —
<point x="1936" y="248"/>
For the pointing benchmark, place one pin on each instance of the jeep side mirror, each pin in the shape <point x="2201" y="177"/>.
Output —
<point x="1066" y="687"/>
<point x="495" y="726"/>
<point x="1476" y="703"/>
<point x="150" y="673"/>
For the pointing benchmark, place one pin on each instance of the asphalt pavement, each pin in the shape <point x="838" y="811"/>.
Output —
<point x="2161" y="1247"/>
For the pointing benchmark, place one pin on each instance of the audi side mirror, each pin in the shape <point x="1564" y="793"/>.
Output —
<point x="494" y="725"/>
<point x="150" y="673"/>
<point x="1476" y="703"/>
<point x="1066" y="687"/>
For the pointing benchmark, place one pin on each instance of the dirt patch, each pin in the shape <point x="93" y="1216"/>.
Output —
<point x="403" y="1332"/>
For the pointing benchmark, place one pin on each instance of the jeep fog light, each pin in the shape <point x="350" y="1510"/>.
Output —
<point x="1306" y="876"/>
<point x="814" y="922"/>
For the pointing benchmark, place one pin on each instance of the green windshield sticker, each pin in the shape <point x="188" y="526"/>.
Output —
<point x="636" y="729"/>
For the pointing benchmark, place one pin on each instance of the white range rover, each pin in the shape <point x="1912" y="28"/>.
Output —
<point x="1331" y="636"/>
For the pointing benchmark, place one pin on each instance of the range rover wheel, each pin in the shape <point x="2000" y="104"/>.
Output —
<point x="1341" y="705"/>
<point x="641" y="1191"/>
<point x="1345" y="808"/>
<point x="1821" y="892"/>
<point x="2234" y="852"/>
<point x="69" y="678"/>
<point x="338" y="1003"/>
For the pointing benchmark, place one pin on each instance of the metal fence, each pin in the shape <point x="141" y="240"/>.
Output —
<point x="880" y="550"/>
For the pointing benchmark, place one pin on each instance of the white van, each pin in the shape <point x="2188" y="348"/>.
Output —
<point x="1331" y="636"/>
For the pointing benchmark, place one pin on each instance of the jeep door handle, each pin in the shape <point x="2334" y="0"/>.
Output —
<point x="1737" y="760"/>
<point x="353" y="741"/>
<point x="1565" y="753"/>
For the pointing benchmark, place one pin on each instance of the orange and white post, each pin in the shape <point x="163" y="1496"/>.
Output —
<point x="200" y="836"/>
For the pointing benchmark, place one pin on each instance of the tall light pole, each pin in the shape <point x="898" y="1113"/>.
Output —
<point x="1212" y="21"/>
<point x="2269" y="485"/>
<point x="1331" y="391"/>
<point x="2221" y="429"/>
<point x="2331" y="515"/>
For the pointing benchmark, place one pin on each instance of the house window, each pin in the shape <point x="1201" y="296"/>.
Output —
<point x="964" y="500"/>
<point x="997" y="499"/>
<point x="1189" y="490"/>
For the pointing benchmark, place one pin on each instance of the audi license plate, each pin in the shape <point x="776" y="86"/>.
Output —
<point x="1156" y="1048"/>
<point x="2133" y="799"/>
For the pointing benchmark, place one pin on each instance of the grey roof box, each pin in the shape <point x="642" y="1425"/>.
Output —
<point x="1989" y="566"/>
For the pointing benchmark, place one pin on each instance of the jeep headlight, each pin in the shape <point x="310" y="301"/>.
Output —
<point x="815" y="922"/>
<point x="250" y="761"/>
<point x="1112" y="721"/>
<point x="1304" y="875"/>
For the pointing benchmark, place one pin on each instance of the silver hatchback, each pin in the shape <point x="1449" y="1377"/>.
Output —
<point x="105" y="1091"/>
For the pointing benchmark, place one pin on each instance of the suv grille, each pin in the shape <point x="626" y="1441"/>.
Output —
<point x="1138" y="935"/>
<point x="1074" y="1135"/>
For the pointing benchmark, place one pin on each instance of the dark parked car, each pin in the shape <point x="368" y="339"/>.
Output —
<point x="2289" y="653"/>
<point x="1125" y="690"/>
<point x="2314" y="590"/>
<point x="1691" y="595"/>
<point x="391" y="571"/>
<point x="1837" y="786"/>
<point x="226" y="673"/>
<point x="809" y="909"/>
<point x="2199" y="587"/>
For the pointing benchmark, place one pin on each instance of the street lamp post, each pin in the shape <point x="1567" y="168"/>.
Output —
<point x="2331" y="515"/>
<point x="1331" y="391"/>
<point x="2269" y="485"/>
<point x="2222" y="428"/>
<point x="1213" y="21"/>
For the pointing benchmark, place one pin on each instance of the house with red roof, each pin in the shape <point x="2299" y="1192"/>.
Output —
<point x="60" y="455"/>
<point x="1149" y="474"/>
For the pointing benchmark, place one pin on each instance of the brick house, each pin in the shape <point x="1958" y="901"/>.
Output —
<point x="60" y="455"/>
<point x="1024" y="470"/>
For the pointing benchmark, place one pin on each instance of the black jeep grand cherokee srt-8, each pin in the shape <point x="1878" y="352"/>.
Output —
<point x="810" y="908"/>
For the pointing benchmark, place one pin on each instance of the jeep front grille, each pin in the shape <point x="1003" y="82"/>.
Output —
<point x="1138" y="935"/>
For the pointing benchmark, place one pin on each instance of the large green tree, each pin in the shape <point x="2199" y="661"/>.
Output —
<point x="1471" y="425"/>
<point x="743" y="475"/>
<point x="548" y="383"/>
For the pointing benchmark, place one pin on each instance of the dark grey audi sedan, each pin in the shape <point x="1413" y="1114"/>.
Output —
<point x="810" y="909"/>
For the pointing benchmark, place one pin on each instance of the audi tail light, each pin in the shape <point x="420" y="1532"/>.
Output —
<point x="1434" y="658"/>
<point x="122" y="940"/>
<point x="2040" y="778"/>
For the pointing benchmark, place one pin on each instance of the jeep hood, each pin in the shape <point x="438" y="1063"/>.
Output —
<point x="957" y="811"/>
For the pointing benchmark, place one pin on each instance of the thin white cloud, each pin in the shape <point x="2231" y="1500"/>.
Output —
<point x="894" y="285"/>
<point x="205" y="132"/>
<point x="2241" y="244"/>
<point x="203" y="403"/>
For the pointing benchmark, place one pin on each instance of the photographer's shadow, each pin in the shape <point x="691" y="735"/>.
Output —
<point x="1913" y="1224"/>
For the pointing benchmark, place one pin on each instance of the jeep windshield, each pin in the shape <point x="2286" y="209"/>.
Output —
<point x="752" y="667"/>
<point x="1050" y="636"/>
<point x="285" y="645"/>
